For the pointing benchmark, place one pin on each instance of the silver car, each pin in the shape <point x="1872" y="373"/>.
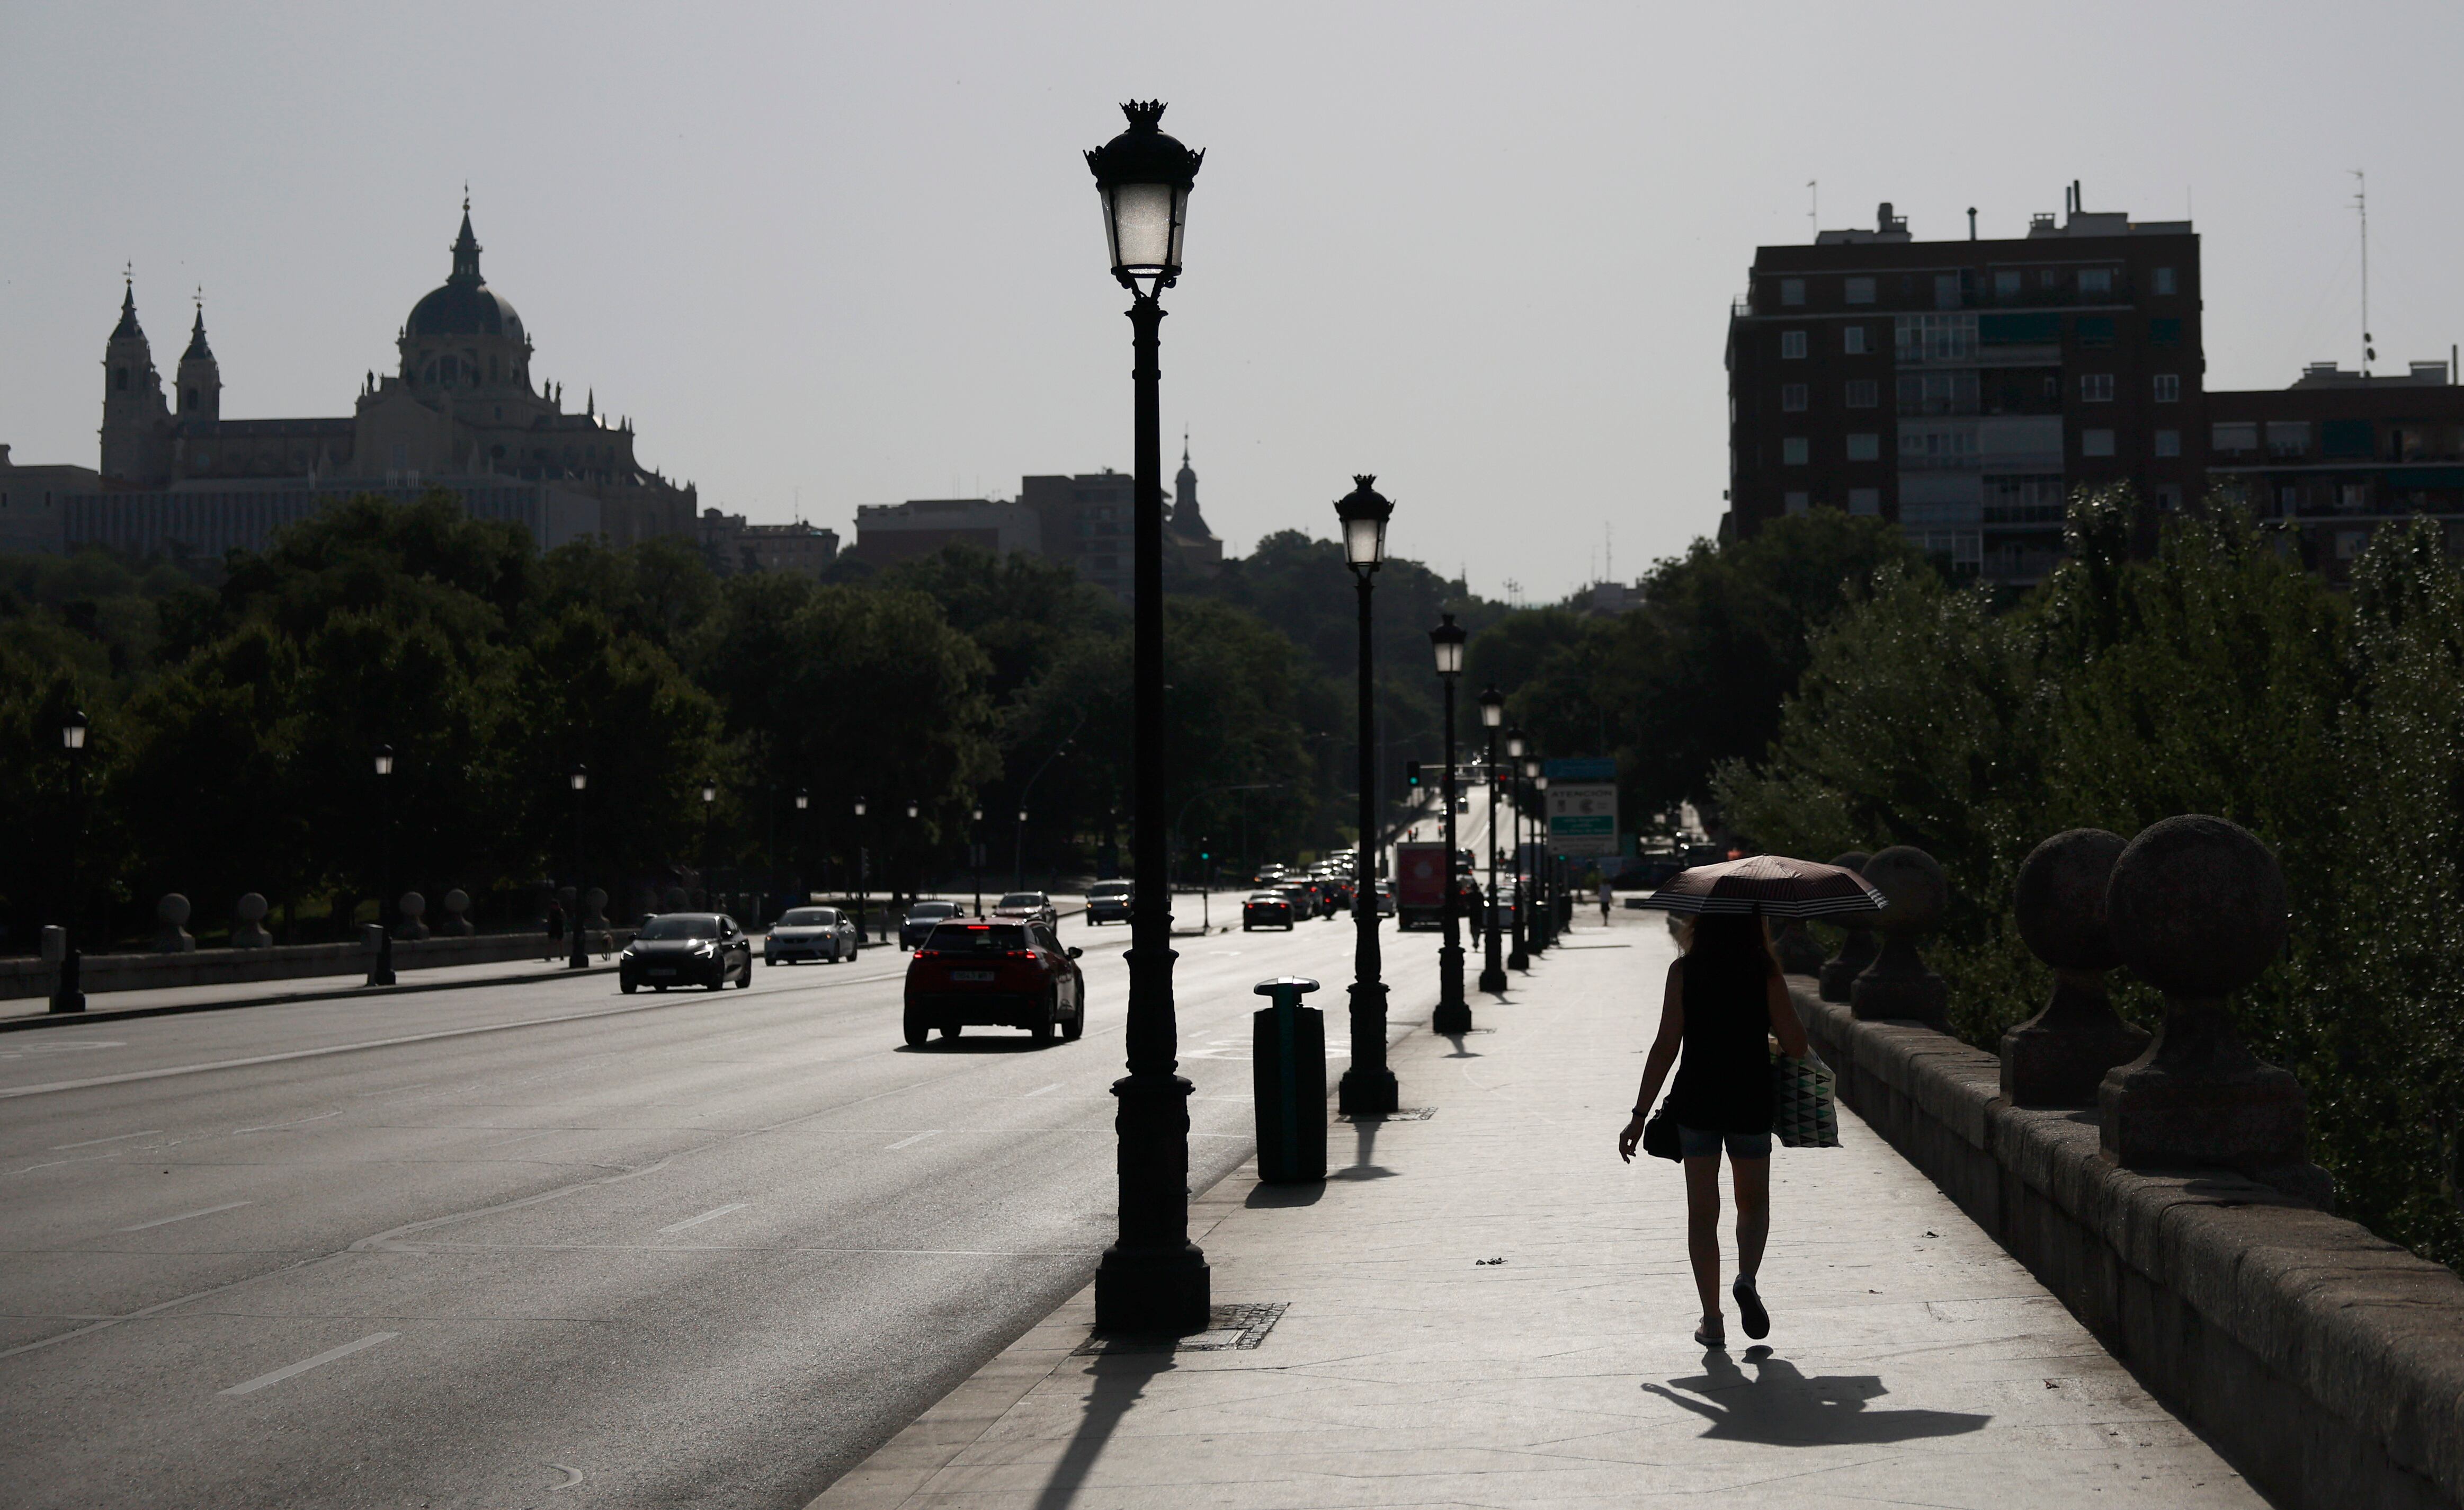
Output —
<point x="1026" y="906"/>
<point x="810" y="933"/>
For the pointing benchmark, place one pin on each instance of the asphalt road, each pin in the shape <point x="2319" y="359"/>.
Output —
<point x="548" y="1245"/>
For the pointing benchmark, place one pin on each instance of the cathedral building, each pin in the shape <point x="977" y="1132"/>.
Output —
<point x="461" y="412"/>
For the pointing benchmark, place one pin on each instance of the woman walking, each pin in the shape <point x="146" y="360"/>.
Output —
<point x="1723" y="1002"/>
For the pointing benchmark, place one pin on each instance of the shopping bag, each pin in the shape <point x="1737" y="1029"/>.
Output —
<point x="1805" y="1112"/>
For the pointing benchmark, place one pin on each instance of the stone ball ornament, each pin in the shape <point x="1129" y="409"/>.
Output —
<point x="2199" y="909"/>
<point x="2197" y="906"/>
<point x="1897" y="984"/>
<point x="170" y="917"/>
<point x="249" y="926"/>
<point x="1858" y="949"/>
<point x="1914" y="890"/>
<point x="2059" y="899"/>
<point x="2060" y="1055"/>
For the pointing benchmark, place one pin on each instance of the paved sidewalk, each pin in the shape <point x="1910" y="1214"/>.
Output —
<point x="1911" y="1362"/>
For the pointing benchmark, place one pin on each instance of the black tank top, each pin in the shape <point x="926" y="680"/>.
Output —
<point x="1724" y="1076"/>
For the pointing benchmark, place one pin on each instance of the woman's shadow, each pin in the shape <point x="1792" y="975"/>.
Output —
<point x="1780" y="1407"/>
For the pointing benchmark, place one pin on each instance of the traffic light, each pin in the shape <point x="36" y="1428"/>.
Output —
<point x="1412" y="774"/>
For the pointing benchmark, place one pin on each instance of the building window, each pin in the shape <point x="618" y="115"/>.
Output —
<point x="2288" y="437"/>
<point x="2160" y="281"/>
<point x="2355" y="498"/>
<point x="2168" y="388"/>
<point x="2163" y="331"/>
<point x="2169" y="442"/>
<point x="1792" y="291"/>
<point x="2288" y="499"/>
<point x="2168" y="496"/>
<point x="1791" y="398"/>
<point x="1865" y="500"/>
<point x="2096" y="280"/>
<point x="2006" y="283"/>
<point x="1946" y="291"/>
<point x="1865" y="448"/>
<point x="1860" y="291"/>
<point x="1792" y="345"/>
<point x="2096" y="442"/>
<point x="2095" y="387"/>
<point x="2239" y="434"/>
<point x="1861" y="393"/>
<point x="1796" y="451"/>
<point x="1852" y="341"/>
<point x="1935" y="340"/>
<point x="1797" y="503"/>
<point x="2351" y="542"/>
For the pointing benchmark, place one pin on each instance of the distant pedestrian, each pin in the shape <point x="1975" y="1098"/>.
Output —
<point x="555" y="929"/>
<point x="1725" y="1001"/>
<point x="1607" y="898"/>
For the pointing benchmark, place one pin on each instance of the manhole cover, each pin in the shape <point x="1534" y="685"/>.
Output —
<point x="1401" y="1114"/>
<point x="1228" y="1327"/>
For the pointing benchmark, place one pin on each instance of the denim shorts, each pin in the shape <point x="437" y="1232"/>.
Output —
<point x="1694" y="1145"/>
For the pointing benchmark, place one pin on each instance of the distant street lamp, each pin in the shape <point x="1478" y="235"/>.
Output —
<point x="1492" y="969"/>
<point x="909" y="844"/>
<point x="581" y="957"/>
<point x="1454" y="1013"/>
<point x="1521" y="957"/>
<point x="863" y="874"/>
<point x="1368" y="1088"/>
<point x="804" y="883"/>
<point x="976" y="854"/>
<point x="381" y="973"/>
<point x="1543" y="861"/>
<point x="68" y="992"/>
<point x="709" y="801"/>
<point x="1152" y="1278"/>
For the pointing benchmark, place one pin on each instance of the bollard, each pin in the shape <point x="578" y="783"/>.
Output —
<point x="2059" y="1057"/>
<point x="247" y="926"/>
<point x="1855" y="951"/>
<point x="1287" y="1076"/>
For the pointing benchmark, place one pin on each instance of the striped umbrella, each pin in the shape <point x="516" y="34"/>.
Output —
<point x="1773" y="885"/>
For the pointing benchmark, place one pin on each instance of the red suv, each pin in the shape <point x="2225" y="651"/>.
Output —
<point x="997" y="975"/>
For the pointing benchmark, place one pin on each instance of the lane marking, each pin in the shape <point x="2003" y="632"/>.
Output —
<point x="706" y="1216"/>
<point x="524" y="1137"/>
<point x="1037" y="1091"/>
<point x="165" y="1221"/>
<point x="61" y="1147"/>
<point x="908" y="1143"/>
<point x="295" y="1370"/>
<point x="298" y="1123"/>
<point x="54" y="1164"/>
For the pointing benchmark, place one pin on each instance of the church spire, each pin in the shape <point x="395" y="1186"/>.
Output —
<point x="128" y="326"/>
<point x="465" y="246"/>
<point x="1185" y="519"/>
<point x="198" y="350"/>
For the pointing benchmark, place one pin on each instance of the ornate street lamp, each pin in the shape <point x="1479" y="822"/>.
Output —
<point x="381" y="971"/>
<point x="804" y="883"/>
<point x="580" y="960"/>
<point x="975" y="853"/>
<point x="1492" y="969"/>
<point x="1152" y="1278"/>
<point x="68" y="991"/>
<point x="709" y="801"/>
<point x="1544" y="862"/>
<point x="1368" y="1088"/>
<point x="1520" y="959"/>
<point x="1454" y="1013"/>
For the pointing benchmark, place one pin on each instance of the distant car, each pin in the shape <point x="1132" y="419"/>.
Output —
<point x="822" y="933"/>
<point x="1266" y="909"/>
<point x="1503" y="902"/>
<point x="919" y="922"/>
<point x="1304" y="896"/>
<point x="1385" y="898"/>
<point x="686" y="948"/>
<point x="1110" y="901"/>
<point x="1269" y="874"/>
<point x="1026" y="906"/>
<point x="994" y="974"/>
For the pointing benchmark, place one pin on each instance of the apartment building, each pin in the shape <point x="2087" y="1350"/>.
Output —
<point x="1962" y="389"/>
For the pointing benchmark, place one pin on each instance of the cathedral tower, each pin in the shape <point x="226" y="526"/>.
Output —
<point x="201" y="377"/>
<point x="135" y="422"/>
<point x="1185" y="518"/>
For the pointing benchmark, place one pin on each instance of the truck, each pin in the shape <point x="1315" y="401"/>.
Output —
<point x="1419" y="885"/>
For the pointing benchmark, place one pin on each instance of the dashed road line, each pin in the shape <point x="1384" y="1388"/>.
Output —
<point x="295" y="1370"/>
<point x="907" y="1143"/>
<point x="165" y="1221"/>
<point x="706" y="1216"/>
<point x="62" y="1148"/>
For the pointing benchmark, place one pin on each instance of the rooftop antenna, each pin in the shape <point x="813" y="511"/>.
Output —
<point x="1814" y="206"/>
<point x="1608" y="547"/>
<point x="2362" y="207"/>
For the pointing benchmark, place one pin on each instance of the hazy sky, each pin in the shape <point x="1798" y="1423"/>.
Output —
<point x="850" y="255"/>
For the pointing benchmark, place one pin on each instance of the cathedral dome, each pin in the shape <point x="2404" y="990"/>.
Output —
<point x="465" y="306"/>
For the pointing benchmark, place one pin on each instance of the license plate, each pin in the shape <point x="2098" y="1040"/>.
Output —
<point x="663" y="970"/>
<point x="971" y="975"/>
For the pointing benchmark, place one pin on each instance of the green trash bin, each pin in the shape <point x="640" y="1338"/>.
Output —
<point x="1287" y="1070"/>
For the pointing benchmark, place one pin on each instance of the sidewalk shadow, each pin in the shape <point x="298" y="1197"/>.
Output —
<point x="1116" y="1380"/>
<point x="1364" y="1154"/>
<point x="1780" y="1407"/>
<point x="1303" y="1193"/>
<point x="1460" y="1053"/>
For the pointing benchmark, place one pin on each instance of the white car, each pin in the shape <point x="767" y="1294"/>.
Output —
<point x="810" y="933"/>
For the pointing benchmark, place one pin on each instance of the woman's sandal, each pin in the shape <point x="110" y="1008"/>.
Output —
<point x="1749" y="1307"/>
<point x="1705" y="1337"/>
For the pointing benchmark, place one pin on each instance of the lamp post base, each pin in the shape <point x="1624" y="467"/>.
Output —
<point x="1152" y="1280"/>
<point x="1368" y="1087"/>
<point x="69" y="995"/>
<point x="381" y="975"/>
<point x="1162" y="1292"/>
<point x="1492" y="980"/>
<point x="1518" y="960"/>
<point x="1453" y="1013"/>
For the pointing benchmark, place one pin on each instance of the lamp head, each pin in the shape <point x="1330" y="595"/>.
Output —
<point x="859" y="806"/>
<point x="385" y="760"/>
<point x="73" y="731"/>
<point x="1514" y="744"/>
<point x="709" y="793"/>
<point x="1447" y="640"/>
<point x="1364" y="512"/>
<point x="803" y="799"/>
<point x="1144" y="178"/>
<point x="910" y="807"/>
<point x="580" y="777"/>
<point x="1531" y="770"/>
<point x="1492" y="708"/>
